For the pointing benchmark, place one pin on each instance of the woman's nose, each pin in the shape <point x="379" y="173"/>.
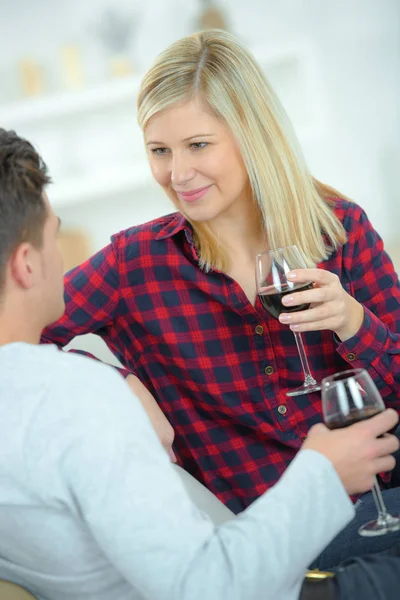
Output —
<point x="182" y="170"/>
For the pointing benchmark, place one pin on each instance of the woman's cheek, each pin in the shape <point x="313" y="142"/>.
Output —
<point x="159" y="172"/>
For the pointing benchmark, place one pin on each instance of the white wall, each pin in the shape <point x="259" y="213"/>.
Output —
<point x="347" y="50"/>
<point x="356" y="49"/>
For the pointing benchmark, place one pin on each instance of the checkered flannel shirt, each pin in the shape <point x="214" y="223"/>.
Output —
<point x="218" y="366"/>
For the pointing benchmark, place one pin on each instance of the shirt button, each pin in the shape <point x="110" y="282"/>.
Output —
<point x="259" y="329"/>
<point x="282" y="410"/>
<point x="350" y="356"/>
<point x="268" y="370"/>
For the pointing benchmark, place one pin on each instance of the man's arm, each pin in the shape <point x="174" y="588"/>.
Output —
<point x="111" y="472"/>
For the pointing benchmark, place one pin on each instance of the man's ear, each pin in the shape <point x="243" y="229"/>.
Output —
<point x="24" y="265"/>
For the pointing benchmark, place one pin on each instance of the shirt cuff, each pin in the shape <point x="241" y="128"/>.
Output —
<point x="367" y="344"/>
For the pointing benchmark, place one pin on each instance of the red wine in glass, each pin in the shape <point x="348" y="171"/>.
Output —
<point x="272" y="300"/>
<point x="347" y="398"/>
<point x="355" y="415"/>
<point x="272" y="285"/>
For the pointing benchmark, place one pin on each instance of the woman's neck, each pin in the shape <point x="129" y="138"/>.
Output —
<point x="241" y="231"/>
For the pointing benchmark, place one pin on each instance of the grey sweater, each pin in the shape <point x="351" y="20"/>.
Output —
<point x="91" y="508"/>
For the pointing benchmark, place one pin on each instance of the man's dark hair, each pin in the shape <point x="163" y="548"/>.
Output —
<point x="23" y="212"/>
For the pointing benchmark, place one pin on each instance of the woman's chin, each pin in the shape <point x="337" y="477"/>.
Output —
<point x="197" y="214"/>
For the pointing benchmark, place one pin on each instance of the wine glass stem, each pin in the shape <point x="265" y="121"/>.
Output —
<point x="380" y="505"/>
<point x="308" y="378"/>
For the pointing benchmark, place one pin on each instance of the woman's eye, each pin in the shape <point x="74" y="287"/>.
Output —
<point x="159" y="151"/>
<point x="198" y="145"/>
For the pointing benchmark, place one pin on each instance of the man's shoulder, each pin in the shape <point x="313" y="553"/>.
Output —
<point x="73" y="370"/>
<point x="79" y="408"/>
<point x="58" y="371"/>
<point x="61" y="390"/>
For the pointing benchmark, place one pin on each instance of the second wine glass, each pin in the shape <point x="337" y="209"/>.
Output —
<point x="272" y="268"/>
<point x="349" y="397"/>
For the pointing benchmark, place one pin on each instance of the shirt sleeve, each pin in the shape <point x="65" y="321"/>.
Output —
<point x="375" y="284"/>
<point x="114" y="475"/>
<point x="91" y="292"/>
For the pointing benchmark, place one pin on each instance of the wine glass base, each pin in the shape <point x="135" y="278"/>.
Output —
<point x="381" y="526"/>
<point x="304" y="389"/>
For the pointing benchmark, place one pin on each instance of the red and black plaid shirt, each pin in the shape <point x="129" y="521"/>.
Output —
<point x="218" y="366"/>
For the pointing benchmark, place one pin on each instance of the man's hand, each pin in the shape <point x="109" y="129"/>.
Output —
<point x="358" y="452"/>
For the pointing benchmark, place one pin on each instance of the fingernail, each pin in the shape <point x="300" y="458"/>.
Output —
<point x="294" y="327"/>
<point x="284" y="318"/>
<point x="291" y="275"/>
<point x="287" y="300"/>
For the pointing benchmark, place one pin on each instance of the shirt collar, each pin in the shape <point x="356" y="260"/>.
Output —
<point x="175" y="225"/>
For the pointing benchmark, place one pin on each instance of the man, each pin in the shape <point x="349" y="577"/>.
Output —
<point x="90" y="505"/>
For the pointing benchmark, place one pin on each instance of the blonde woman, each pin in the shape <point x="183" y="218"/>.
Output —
<point x="175" y="299"/>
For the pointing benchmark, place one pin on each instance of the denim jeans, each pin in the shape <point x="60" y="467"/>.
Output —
<point x="348" y="543"/>
<point x="374" y="577"/>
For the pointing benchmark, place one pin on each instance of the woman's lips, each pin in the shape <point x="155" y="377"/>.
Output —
<point x="194" y="195"/>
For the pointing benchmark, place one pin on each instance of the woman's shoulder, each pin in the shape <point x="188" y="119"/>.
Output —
<point x="348" y="212"/>
<point x="146" y="231"/>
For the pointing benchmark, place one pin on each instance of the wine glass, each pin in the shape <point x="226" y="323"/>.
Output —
<point x="347" y="398"/>
<point x="272" y="285"/>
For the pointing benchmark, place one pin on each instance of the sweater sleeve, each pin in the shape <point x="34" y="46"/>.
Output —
<point x="114" y="475"/>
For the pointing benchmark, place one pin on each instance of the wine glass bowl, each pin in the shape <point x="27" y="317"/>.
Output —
<point x="347" y="398"/>
<point x="271" y="299"/>
<point x="272" y="268"/>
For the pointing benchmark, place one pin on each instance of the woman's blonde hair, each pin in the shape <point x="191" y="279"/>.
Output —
<point x="294" y="207"/>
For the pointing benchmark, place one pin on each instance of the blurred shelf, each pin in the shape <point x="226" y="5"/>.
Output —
<point x="65" y="104"/>
<point x="100" y="187"/>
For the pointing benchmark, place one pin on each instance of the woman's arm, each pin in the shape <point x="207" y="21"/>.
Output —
<point x="91" y="301"/>
<point x="91" y="292"/>
<point x="366" y="318"/>
<point x="162" y="426"/>
<point x="375" y="285"/>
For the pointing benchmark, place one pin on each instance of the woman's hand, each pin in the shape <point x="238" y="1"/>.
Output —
<point x="331" y="306"/>
<point x="357" y="452"/>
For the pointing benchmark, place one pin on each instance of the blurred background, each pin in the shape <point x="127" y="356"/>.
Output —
<point x="70" y="72"/>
